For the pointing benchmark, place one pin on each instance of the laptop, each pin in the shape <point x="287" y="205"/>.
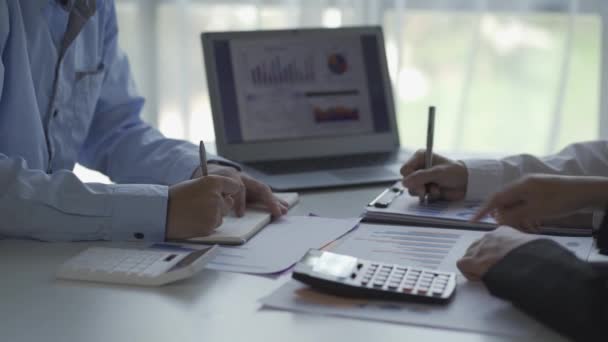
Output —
<point x="304" y="108"/>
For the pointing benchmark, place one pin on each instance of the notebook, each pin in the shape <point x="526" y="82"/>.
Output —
<point x="237" y="230"/>
<point x="395" y="205"/>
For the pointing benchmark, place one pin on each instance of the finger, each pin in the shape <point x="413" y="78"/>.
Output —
<point x="416" y="161"/>
<point x="488" y="207"/>
<point x="240" y="202"/>
<point x="227" y="203"/>
<point x="284" y="209"/>
<point x="263" y="194"/>
<point x="420" y="178"/>
<point x="225" y="185"/>
<point x="466" y="266"/>
<point x="472" y="250"/>
<point x="434" y="192"/>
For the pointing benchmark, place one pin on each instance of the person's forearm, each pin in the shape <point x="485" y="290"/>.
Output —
<point x="595" y="191"/>
<point x="549" y="283"/>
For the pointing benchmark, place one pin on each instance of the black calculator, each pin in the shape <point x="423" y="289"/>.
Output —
<point x="348" y="276"/>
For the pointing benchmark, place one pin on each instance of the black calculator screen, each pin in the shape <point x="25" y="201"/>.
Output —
<point x="331" y="264"/>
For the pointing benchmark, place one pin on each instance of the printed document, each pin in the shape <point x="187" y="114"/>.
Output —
<point x="472" y="309"/>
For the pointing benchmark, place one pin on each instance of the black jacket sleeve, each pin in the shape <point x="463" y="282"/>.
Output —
<point x="551" y="284"/>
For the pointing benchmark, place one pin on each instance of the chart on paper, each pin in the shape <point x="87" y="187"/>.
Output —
<point x="433" y="248"/>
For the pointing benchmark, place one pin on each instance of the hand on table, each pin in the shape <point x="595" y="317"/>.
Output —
<point x="447" y="179"/>
<point x="490" y="249"/>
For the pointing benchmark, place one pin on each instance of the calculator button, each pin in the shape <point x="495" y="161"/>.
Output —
<point x="392" y="287"/>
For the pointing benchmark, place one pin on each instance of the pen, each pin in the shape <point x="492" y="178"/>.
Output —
<point x="428" y="156"/>
<point x="203" y="158"/>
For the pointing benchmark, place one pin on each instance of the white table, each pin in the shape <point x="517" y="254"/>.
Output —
<point x="213" y="306"/>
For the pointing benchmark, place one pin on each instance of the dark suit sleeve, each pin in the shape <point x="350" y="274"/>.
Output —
<point x="551" y="284"/>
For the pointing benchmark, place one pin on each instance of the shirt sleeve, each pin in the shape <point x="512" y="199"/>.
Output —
<point x="59" y="207"/>
<point x="551" y="284"/>
<point x="581" y="159"/>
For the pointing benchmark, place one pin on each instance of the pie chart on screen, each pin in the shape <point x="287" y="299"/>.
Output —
<point x="337" y="63"/>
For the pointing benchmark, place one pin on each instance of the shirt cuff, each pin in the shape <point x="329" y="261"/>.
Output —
<point x="484" y="178"/>
<point x="139" y="212"/>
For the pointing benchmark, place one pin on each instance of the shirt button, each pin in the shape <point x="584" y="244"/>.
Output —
<point x="55" y="113"/>
<point x="138" y="236"/>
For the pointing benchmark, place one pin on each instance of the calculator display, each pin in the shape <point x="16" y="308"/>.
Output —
<point x="332" y="264"/>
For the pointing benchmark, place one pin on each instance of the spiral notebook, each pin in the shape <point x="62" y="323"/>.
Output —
<point x="237" y="230"/>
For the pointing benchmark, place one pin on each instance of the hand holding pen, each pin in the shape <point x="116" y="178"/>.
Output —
<point x="432" y="176"/>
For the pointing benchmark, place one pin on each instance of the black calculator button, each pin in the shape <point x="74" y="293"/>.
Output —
<point x="359" y="266"/>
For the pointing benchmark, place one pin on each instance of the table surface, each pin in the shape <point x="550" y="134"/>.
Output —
<point x="212" y="306"/>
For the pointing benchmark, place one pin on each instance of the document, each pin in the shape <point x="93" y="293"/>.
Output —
<point x="407" y="209"/>
<point x="281" y="244"/>
<point x="472" y="308"/>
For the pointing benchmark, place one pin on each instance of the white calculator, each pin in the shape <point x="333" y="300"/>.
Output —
<point x="156" y="265"/>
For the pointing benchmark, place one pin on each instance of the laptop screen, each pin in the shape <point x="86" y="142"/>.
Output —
<point x="301" y="87"/>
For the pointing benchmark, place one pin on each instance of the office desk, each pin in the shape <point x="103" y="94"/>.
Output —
<point x="213" y="306"/>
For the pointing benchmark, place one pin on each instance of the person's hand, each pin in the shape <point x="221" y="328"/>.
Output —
<point x="250" y="191"/>
<point x="447" y="179"/>
<point x="526" y="203"/>
<point x="196" y="207"/>
<point x="491" y="248"/>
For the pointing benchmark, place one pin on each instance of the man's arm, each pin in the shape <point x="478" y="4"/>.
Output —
<point x="551" y="284"/>
<point x="59" y="207"/>
<point x="487" y="176"/>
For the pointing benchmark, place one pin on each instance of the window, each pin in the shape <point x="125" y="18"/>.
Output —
<point x="506" y="76"/>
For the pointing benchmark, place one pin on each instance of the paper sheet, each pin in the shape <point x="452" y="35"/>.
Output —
<point x="281" y="244"/>
<point x="472" y="308"/>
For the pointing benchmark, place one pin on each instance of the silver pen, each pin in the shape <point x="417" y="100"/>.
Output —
<point x="203" y="158"/>
<point x="428" y="156"/>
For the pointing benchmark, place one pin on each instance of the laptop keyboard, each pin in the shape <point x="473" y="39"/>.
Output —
<point x="325" y="163"/>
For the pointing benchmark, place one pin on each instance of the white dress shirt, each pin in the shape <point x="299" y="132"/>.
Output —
<point x="486" y="176"/>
